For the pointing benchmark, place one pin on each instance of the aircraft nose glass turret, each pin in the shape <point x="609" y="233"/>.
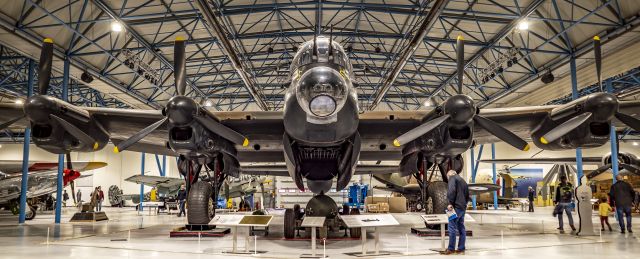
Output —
<point x="321" y="91"/>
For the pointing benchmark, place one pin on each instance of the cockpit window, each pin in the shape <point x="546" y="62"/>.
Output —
<point x="305" y="54"/>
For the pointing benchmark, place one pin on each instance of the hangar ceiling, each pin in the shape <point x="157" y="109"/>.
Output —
<point x="260" y="37"/>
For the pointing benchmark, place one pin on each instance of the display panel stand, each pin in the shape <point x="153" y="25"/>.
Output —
<point x="313" y="223"/>
<point x="434" y="219"/>
<point x="365" y="221"/>
<point x="235" y="221"/>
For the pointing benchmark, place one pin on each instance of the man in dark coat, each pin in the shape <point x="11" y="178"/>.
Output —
<point x="532" y="195"/>
<point x="458" y="197"/>
<point x="182" y="196"/>
<point x="622" y="196"/>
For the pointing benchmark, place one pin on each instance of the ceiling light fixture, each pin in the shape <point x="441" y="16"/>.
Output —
<point x="19" y="101"/>
<point x="523" y="25"/>
<point x="116" y="26"/>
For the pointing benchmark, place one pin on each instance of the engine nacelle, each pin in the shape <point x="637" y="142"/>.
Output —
<point x="50" y="135"/>
<point x="623" y="158"/>
<point x="590" y="134"/>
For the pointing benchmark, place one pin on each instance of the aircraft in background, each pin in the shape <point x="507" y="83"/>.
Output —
<point x="168" y="187"/>
<point x="321" y="133"/>
<point x="42" y="182"/>
<point x="627" y="163"/>
<point x="411" y="189"/>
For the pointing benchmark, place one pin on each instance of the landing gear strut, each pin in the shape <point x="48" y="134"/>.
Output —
<point x="202" y="194"/>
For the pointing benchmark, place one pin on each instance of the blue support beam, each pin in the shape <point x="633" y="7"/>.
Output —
<point x="613" y="138"/>
<point x="60" y="178"/>
<point x="142" y="184"/>
<point x="25" y="151"/>
<point x="474" y="171"/>
<point x="574" y="93"/>
<point x="161" y="167"/>
<point x="494" y="175"/>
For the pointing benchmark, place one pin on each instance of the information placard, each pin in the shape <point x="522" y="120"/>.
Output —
<point x="310" y="222"/>
<point x="434" y="219"/>
<point x="369" y="220"/>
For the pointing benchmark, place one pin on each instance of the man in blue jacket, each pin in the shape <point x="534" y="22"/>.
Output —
<point x="458" y="196"/>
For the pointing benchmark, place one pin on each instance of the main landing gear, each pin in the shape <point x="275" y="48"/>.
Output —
<point x="202" y="191"/>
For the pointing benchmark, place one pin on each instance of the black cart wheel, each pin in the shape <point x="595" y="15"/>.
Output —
<point x="355" y="232"/>
<point x="200" y="203"/>
<point x="437" y="202"/>
<point x="289" y="223"/>
<point x="31" y="213"/>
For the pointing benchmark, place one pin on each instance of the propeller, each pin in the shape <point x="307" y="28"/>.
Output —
<point x="44" y="75"/>
<point x="183" y="107"/>
<point x="462" y="103"/>
<point x="72" y="183"/>
<point x="579" y="120"/>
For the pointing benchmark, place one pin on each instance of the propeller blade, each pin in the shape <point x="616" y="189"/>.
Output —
<point x="419" y="131"/>
<point x="72" y="183"/>
<point x="76" y="132"/>
<point x="44" y="66"/>
<point x="564" y="128"/>
<point x="626" y="119"/>
<point x="597" y="52"/>
<point x="179" y="68"/>
<point x="12" y="121"/>
<point x="460" y="61"/>
<point x="501" y="132"/>
<point x="138" y="136"/>
<point x="73" y="191"/>
<point x="223" y="131"/>
<point x="599" y="171"/>
<point x="631" y="168"/>
<point x="69" y="164"/>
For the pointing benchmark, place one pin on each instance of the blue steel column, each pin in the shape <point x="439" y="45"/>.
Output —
<point x="613" y="139"/>
<point x="60" y="185"/>
<point x="164" y="165"/>
<point x="474" y="172"/>
<point x="25" y="150"/>
<point x="142" y="184"/>
<point x="574" y="94"/>
<point x="494" y="175"/>
<point x="473" y="197"/>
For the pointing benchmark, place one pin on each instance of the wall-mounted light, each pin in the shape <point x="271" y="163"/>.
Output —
<point x="116" y="26"/>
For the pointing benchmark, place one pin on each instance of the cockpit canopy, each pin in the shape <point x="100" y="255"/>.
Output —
<point x="304" y="56"/>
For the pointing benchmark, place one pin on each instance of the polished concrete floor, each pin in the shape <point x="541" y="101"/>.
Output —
<point x="497" y="234"/>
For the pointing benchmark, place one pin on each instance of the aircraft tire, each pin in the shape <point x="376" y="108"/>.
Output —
<point x="438" y="196"/>
<point x="355" y="232"/>
<point x="200" y="203"/>
<point x="289" y="223"/>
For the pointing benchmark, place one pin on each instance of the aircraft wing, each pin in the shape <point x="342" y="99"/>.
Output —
<point x="13" y="168"/>
<point x="478" y="188"/>
<point x="155" y="181"/>
<point x="545" y="160"/>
